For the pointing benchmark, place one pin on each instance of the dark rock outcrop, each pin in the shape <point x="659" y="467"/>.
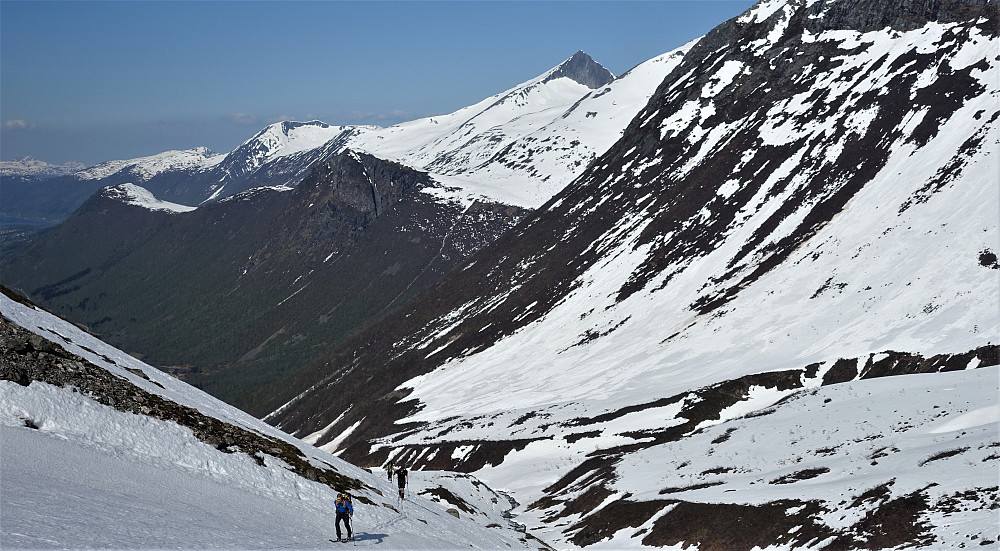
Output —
<point x="583" y="69"/>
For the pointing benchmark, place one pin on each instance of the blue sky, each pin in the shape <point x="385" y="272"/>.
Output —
<point x="93" y="81"/>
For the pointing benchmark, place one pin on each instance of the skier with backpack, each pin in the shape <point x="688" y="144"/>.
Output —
<point x="388" y="469"/>
<point x="345" y="512"/>
<point x="402" y="479"/>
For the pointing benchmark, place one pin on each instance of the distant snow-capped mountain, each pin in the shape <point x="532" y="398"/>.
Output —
<point x="28" y="166"/>
<point x="278" y="155"/>
<point x="283" y="150"/>
<point x="523" y="145"/>
<point x="806" y="203"/>
<point x="518" y="147"/>
<point x="275" y="142"/>
<point x="144" y="168"/>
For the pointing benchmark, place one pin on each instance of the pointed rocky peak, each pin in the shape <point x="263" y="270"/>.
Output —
<point x="583" y="69"/>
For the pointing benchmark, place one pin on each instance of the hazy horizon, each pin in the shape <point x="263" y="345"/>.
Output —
<point x="95" y="81"/>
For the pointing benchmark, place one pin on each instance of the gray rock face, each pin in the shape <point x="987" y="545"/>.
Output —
<point x="903" y="15"/>
<point x="583" y="69"/>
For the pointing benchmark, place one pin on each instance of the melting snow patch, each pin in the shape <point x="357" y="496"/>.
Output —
<point x="331" y="447"/>
<point x="975" y="418"/>
<point x="314" y="437"/>
<point x="462" y="451"/>
<point x="757" y="397"/>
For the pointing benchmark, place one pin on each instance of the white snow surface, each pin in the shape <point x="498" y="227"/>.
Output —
<point x="141" y="197"/>
<point x="91" y="476"/>
<point x="896" y="430"/>
<point x="278" y="140"/>
<point x="144" y="168"/>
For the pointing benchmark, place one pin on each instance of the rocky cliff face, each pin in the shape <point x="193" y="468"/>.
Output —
<point x="904" y="15"/>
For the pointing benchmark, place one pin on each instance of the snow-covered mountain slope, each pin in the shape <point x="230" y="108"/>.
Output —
<point x="809" y="199"/>
<point x="280" y="154"/>
<point x="279" y="140"/>
<point x="29" y="167"/>
<point x="131" y="194"/>
<point x="283" y="152"/>
<point x="144" y="168"/>
<point x="101" y="450"/>
<point x="906" y="461"/>
<point x="523" y="145"/>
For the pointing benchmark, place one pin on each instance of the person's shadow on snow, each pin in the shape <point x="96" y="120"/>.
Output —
<point x="374" y="538"/>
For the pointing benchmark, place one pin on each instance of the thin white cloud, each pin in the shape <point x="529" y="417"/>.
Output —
<point x="242" y="118"/>
<point x="18" y="125"/>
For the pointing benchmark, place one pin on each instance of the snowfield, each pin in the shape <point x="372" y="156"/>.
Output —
<point x="79" y="474"/>
<point x="131" y="194"/>
<point x="199" y="158"/>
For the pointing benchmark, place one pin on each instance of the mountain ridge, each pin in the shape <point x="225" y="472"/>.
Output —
<point x="289" y="259"/>
<point x="772" y="209"/>
<point x="467" y="221"/>
<point x="31" y="167"/>
<point x="281" y="153"/>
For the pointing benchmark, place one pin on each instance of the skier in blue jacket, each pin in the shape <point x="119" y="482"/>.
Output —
<point x="345" y="512"/>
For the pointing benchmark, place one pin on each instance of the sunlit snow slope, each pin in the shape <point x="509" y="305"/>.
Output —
<point x="808" y="200"/>
<point x="522" y="146"/>
<point x="112" y="453"/>
<point x="142" y="168"/>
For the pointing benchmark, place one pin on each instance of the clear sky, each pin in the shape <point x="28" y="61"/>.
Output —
<point x="94" y="81"/>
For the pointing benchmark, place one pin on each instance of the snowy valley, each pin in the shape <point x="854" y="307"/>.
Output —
<point x="807" y="204"/>
<point x="745" y="296"/>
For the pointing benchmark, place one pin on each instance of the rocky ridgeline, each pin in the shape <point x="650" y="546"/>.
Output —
<point x="26" y="358"/>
